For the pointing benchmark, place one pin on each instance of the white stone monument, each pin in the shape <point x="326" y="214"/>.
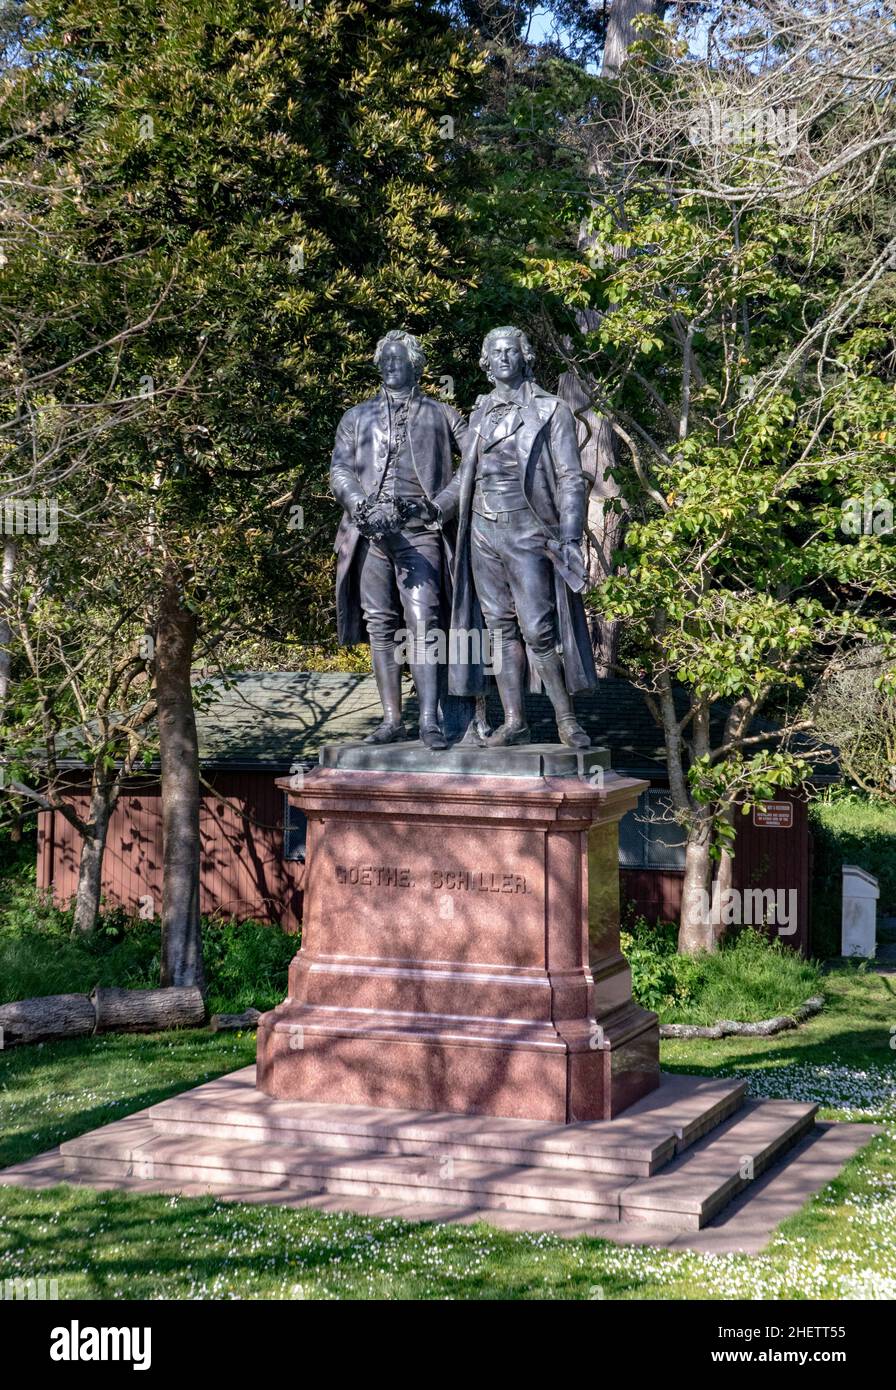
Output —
<point x="859" y="920"/>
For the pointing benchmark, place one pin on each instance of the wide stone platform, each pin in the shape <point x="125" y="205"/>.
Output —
<point x="693" y="1165"/>
<point x="672" y="1163"/>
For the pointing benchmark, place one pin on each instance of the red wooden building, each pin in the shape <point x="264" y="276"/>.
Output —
<point x="263" y="723"/>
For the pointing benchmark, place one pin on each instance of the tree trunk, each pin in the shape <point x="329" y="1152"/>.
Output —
<point x="90" y="882"/>
<point x="695" y="929"/>
<point x="179" y="759"/>
<point x="103" y="1011"/>
<point x="232" y="1023"/>
<point x="6" y="578"/>
<point x="621" y="32"/>
<point x="722" y="884"/>
<point x="90" y="866"/>
<point x="147" y="1010"/>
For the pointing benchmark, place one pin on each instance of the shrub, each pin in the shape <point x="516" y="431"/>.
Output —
<point x="38" y="955"/>
<point x="660" y="977"/>
<point x="245" y="964"/>
<point x="750" y="978"/>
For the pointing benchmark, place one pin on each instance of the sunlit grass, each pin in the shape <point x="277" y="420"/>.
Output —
<point x="127" y="1245"/>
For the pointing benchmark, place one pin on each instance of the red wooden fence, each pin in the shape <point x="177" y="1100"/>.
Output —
<point x="242" y="869"/>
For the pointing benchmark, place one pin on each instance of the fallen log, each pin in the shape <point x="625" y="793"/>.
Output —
<point x="730" y="1028"/>
<point x="231" y="1023"/>
<point x="147" y="1010"/>
<point x="44" y="1019"/>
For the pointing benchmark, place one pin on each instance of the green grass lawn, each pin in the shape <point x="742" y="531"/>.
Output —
<point x="120" y="1245"/>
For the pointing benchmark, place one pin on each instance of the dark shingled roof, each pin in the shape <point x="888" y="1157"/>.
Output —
<point x="270" y="719"/>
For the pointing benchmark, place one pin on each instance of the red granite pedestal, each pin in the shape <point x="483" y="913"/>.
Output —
<point x="460" y="949"/>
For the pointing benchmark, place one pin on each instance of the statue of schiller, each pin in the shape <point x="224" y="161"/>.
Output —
<point x="519" y="497"/>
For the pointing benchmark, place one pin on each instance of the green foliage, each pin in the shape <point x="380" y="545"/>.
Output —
<point x="245" y="961"/>
<point x="39" y="956"/>
<point x="849" y="829"/>
<point x="18" y="862"/>
<point x="751" y="977"/>
<point x="246" y="964"/>
<point x="661" y="979"/>
<point x="753" y="406"/>
<point x="256" y="191"/>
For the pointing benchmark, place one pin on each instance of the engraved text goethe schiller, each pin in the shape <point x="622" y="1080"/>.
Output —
<point x="455" y="880"/>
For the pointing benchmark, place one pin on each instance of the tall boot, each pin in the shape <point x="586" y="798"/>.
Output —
<point x="550" y="669"/>
<point x="387" y="673"/>
<point x="510" y="680"/>
<point x="426" y="679"/>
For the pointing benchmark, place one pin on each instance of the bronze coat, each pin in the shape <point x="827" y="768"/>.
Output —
<point x="363" y="436"/>
<point x="556" y="490"/>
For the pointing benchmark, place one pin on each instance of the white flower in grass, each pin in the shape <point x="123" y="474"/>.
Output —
<point x="858" y="1091"/>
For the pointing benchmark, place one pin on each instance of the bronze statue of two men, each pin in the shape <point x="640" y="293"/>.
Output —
<point x="490" y="554"/>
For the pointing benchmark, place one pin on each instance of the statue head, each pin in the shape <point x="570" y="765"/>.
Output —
<point x="400" y="359"/>
<point x="507" y="356"/>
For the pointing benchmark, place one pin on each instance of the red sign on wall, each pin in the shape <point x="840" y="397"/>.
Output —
<point x="774" y="815"/>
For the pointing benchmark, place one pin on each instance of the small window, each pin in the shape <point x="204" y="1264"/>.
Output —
<point x="648" y="837"/>
<point x="295" y="831"/>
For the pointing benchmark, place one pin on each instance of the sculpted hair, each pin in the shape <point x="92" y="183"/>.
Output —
<point x="508" y="331"/>
<point x="408" y="341"/>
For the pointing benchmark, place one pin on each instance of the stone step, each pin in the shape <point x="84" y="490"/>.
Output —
<point x="698" y="1184"/>
<point x="684" y="1197"/>
<point x="681" y="1111"/>
<point x="134" y="1148"/>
